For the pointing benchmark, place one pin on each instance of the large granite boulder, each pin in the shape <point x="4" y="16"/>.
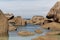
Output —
<point x="52" y="26"/>
<point x="54" y="12"/>
<point x="3" y="25"/>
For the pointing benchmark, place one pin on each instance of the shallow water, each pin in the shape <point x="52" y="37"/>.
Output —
<point x="14" y="36"/>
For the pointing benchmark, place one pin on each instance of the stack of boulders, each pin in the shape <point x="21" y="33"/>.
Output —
<point x="54" y="14"/>
<point x="52" y="23"/>
<point x="52" y="20"/>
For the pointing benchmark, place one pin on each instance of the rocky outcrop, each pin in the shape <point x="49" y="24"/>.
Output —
<point x="25" y="33"/>
<point x="54" y="12"/>
<point x="38" y="31"/>
<point x="3" y="24"/>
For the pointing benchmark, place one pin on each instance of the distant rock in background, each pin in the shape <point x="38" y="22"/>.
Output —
<point x="37" y="20"/>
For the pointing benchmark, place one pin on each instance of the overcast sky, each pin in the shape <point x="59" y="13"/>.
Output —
<point x="27" y="8"/>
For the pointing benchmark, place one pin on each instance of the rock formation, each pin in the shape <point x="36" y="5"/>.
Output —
<point x="54" y="12"/>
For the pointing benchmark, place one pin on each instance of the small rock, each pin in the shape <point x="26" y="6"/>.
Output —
<point x="38" y="31"/>
<point x="25" y="33"/>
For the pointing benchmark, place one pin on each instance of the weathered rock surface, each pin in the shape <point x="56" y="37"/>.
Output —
<point x="52" y="26"/>
<point x="9" y="16"/>
<point x="25" y="33"/>
<point x="3" y="25"/>
<point x="38" y="31"/>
